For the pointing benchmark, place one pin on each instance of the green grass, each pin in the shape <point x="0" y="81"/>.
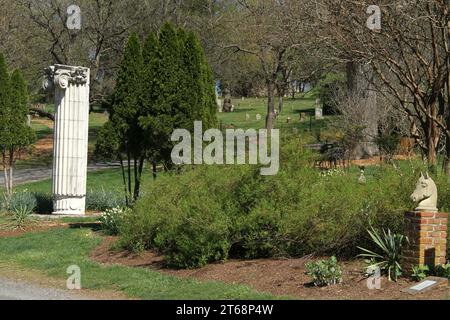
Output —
<point x="108" y="179"/>
<point x="291" y="108"/>
<point x="51" y="252"/>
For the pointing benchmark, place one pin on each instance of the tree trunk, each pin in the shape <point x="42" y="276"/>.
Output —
<point x="433" y="134"/>
<point x="129" y="174"/>
<point x="280" y="103"/>
<point x="359" y="86"/>
<point x="137" y="178"/>
<point x="5" y="173"/>
<point x="270" y="104"/>
<point x="447" y="150"/>
<point x="122" y="167"/>
<point x="154" y="170"/>
<point x="11" y="170"/>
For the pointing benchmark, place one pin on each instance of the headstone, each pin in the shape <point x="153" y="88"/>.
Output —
<point x="70" y="147"/>
<point x="247" y="117"/>
<point x="258" y="117"/>
<point x="362" y="178"/>
<point x="318" y="110"/>
<point x="218" y="102"/>
<point x="29" y="120"/>
<point x="302" y="117"/>
<point x="288" y="120"/>
<point x="319" y="113"/>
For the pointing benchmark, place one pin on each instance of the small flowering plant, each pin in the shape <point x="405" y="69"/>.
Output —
<point x="112" y="218"/>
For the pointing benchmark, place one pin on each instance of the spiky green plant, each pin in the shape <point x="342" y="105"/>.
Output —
<point x="389" y="254"/>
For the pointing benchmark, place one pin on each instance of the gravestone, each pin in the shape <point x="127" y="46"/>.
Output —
<point x="318" y="110"/>
<point x="219" y="103"/>
<point x="319" y="113"/>
<point x="258" y="117"/>
<point x="362" y="177"/>
<point x="247" y="117"/>
<point x="302" y="117"/>
<point x="70" y="146"/>
<point x="288" y="120"/>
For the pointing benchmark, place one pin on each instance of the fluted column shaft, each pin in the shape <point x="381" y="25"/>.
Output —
<point x="70" y="146"/>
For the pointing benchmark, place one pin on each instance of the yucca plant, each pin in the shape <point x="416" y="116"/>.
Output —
<point x="20" y="216"/>
<point x="388" y="257"/>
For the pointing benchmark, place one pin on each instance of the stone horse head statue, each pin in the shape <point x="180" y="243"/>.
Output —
<point x="425" y="194"/>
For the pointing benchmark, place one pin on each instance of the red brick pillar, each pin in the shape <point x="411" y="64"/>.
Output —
<point x="427" y="233"/>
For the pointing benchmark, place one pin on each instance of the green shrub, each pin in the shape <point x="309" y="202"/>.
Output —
<point x="443" y="271"/>
<point x="22" y="201"/>
<point x="209" y="213"/>
<point x="190" y="229"/>
<point x="103" y="200"/>
<point x="324" y="272"/>
<point x="111" y="220"/>
<point x="44" y="203"/>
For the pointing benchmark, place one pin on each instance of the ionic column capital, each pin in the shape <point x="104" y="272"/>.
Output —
<point x="62" y="76"/>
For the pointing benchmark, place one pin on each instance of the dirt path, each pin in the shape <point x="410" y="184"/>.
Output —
<point x="22" y="176"/>
<point x="19" y="290"/>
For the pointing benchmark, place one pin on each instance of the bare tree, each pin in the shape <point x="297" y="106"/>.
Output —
<point x="270" y="31"/>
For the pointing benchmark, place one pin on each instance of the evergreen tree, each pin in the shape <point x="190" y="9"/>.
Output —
<point x="4" y="117"/>
<point x="15" y="134"/>
<point x="165" y="86"/>
<point x="125" y="112"/>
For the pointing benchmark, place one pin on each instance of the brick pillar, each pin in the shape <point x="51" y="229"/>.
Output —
<point x="427" y="233"/>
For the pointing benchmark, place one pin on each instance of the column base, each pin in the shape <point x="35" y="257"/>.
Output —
<point x="69" y="206"/>
<point x="427" y="233"/>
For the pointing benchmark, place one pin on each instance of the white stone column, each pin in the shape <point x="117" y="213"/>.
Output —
<point x="70" y="145"/>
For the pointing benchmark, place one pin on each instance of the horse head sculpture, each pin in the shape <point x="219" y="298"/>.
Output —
<point x="425" y="194"/>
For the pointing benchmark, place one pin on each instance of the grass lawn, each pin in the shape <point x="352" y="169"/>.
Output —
<point x="292" y="109"/>
<point x="108" y="179"/>
<point x="51" y="252"/>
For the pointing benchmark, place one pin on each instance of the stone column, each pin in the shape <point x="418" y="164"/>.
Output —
<point x="70" y="146"/>
<point x="427" y="233"/>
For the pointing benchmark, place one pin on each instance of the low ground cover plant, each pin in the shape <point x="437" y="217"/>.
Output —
<point x="419" y="273"/>
<point x="111" y="220"/>
<point x="324" y="272"/>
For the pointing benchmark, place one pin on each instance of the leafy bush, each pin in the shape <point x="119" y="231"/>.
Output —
<point x="389" y="254"/>
<point x="112" y="219"/>
<point x="103" y="200"/>
<point x="44" y="203"/>
<point x="443" y="271"/>
<point x="419" y="273"/>
<point x="209" y="213"/>
<point x="324" y="272"/>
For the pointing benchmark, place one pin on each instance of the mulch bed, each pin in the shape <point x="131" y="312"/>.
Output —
<point x="284" y="277"/>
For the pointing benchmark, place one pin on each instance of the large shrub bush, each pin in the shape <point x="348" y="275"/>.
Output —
<point x="208" y="213"/>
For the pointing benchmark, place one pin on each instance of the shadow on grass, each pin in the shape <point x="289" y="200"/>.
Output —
<point x="94" y="226"/>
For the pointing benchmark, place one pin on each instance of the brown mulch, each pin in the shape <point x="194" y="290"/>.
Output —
<point x="280" y="277"/>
